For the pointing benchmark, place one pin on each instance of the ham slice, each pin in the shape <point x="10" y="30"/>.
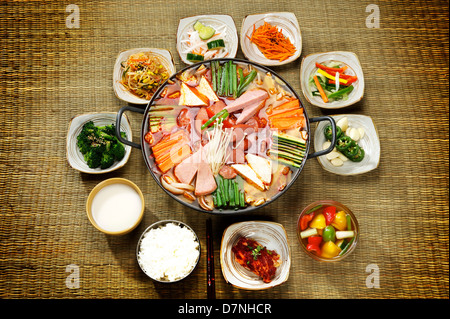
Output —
<point x="249" y="111"/>
<point x="205" y="183"/>
<point x="187" y="169"/>
<point x="248" y="98"/>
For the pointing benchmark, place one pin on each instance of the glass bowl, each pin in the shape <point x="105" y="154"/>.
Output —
<point x="346" y="248"/>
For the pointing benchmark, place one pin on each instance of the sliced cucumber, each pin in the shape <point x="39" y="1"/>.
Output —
<point x="216" y="44"/>
<point x="194" y="57"/>
<point x="204" y="32"/>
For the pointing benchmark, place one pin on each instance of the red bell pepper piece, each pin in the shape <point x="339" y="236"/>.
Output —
<point x="329" y="213"/>
<point x="304" y="221"/>
<point x="314" y="248"/>
<point x="315" y="240"/>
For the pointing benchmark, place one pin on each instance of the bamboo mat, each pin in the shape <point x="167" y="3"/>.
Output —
<point x="51" y="73"/>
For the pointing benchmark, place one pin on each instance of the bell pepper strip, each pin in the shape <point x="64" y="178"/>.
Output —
<point x="350" y="79"/>
<point x="320" y="88"/>
<point x="341" y="92"/>
<point x="331" y="70"/>
<point x="329" y="213"/>
<point x="331" y="77"/>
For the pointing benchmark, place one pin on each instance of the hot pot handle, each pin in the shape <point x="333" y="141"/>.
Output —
<point x="119" y="119"/>
<point x="333" y="139"/>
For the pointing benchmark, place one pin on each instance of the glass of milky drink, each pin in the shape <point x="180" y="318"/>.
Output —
<point x="115" y="206"/>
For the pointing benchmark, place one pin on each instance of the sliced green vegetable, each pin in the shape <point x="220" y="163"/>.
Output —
<point x="216" y="44"/>
<point x="194" y="57"/>
<point x="341" y="92"/>
<point x="204" y="32"/>
<point x="343" y="251"/>
<point x="222" y="114"/>
<point x="314" y="209"/>
<point x="247" y="80"/>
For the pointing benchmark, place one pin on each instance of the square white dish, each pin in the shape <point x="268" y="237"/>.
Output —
<point x="286" y="21"/>
<point x="215" y="21"/>
<point x="121" y="92"/>
<point x="74" y="156"/>
<point x="308" y="68"/>
<point x="269" y="234"/>
<point x="370" y="142"/>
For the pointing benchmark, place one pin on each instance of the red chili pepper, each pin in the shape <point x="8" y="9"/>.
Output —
<point x="315" y="240"/>
<point x="304" y="221"/>
<point x="329" y="213"/>
<point x="315" y="248"/>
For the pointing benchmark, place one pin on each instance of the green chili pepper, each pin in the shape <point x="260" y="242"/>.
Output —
<point x="344" y="142"/>
<point x="359" y="155"/>
<point x="247" y="80"/>
<point x="328" y="131"/>
<point x="341" y="92"/>
<point x="351" y="151"/>
<point x="222" y="115"/>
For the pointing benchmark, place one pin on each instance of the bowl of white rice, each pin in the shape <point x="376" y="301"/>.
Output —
<point x="168" y="251"/>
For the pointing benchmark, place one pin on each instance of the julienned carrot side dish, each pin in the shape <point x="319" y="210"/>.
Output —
<point x="332" y="81"/>
<point x="226" y="135"/>
<point x="271" y="41"/>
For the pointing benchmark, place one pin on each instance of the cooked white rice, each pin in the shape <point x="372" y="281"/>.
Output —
<point x="169" y="252"/>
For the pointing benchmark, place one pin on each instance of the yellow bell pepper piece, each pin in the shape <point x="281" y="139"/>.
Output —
<point x="340" y="221"/>
<point x="330" y="250"/>
<point x="318" y="222"/>
<point x="330" y="76"/>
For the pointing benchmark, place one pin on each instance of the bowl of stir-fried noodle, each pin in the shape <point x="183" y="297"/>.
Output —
<point x="139" y="72"/>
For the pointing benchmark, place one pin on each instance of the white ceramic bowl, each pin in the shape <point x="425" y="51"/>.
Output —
<point x="308" y="68"/>
<point x="169" y="247"/>
<point x="126" y="224"/>
<point x="286" y="21"/>
<point x="370" y="143"/>
<point x="231" y="38"/>
<point x="269" y="234"/>
<point x="121" y="92"/>
<point x="74" y="156"/>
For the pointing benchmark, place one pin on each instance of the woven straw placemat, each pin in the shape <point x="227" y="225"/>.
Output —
<point x="51" y="73"/>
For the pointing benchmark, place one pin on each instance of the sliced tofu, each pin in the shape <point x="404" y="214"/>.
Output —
<point x="190" y="96"/>
<point x="262" y="167"/>
<point x="205" y="88"/>
<point x="249" y="175"/>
